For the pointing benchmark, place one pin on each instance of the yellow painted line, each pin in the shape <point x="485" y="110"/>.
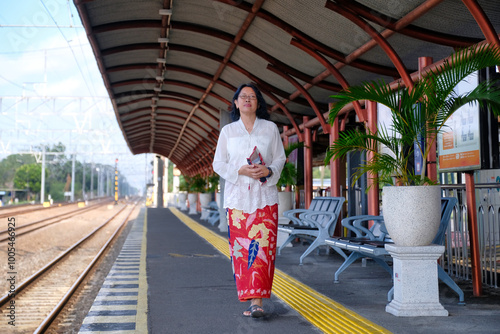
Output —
<point x="318" y="309"/>
<point x="141" y="325"/>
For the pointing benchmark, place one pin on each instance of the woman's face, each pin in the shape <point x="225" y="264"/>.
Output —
<point x="247" y="101"/>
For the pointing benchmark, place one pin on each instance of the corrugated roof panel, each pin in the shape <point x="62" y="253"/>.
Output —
<point x="114" y="38"/>
<point x="131" y="57"/>
<point x="452" y="17"/>
<point x="203" y="42"/>
<point x="276" y="43"/>
<point x="108" y="11"/>
<point x="209" y="13"/>
<point x="314" y="20"/>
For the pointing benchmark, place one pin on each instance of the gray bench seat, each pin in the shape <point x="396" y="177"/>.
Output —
<point x="370" y="242"/>
<point x="316" y="223"/>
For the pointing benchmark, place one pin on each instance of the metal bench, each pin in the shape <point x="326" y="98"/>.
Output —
<point x="316" y="223"/>
<point x="212" y="213"/>
<point x="370" y="243"/>
<point x="366" y="242"/>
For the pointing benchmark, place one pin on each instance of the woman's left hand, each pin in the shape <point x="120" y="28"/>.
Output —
<point x="258" y="171"/>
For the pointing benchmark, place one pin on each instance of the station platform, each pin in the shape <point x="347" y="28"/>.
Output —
<point x="174" y="275"/>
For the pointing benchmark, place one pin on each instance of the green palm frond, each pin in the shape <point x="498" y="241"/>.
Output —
<point x="288" y="176"/>
<point x="292" y="147"/>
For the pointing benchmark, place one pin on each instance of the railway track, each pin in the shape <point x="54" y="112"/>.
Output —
<point x="34" y="304"/>
<point x="10" y="211"/>
<point x="38" y="224"/>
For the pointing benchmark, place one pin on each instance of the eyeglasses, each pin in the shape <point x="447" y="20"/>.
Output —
<point x="250" y="97"/>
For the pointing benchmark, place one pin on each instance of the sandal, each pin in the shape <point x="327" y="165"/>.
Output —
<point x="256" y="311"/>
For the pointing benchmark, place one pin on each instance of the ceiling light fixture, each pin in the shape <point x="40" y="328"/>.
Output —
<point x="160" y="78"/>
<point x="166" y="12"/>
<point x="157" y="89"/>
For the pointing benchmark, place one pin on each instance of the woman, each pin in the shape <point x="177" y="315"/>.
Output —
<point x="250" y="194"/>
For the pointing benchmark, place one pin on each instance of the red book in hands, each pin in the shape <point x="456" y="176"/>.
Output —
<point x="256" y="159"/>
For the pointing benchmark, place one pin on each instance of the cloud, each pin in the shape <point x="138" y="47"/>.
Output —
<point x="54" y="62"/>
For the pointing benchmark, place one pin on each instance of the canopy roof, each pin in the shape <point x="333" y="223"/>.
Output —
<point x="171" y="67"/>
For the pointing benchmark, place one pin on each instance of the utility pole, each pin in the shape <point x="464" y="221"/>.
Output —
<point x="42" y="191"/>
<point x="73" y="179"/>
<point x="116" y="181"/>
<point x="92" y="181"/>
<point x="83" y="180"/>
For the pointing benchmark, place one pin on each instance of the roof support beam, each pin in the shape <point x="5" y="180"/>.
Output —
<point x="409" y="30"/>
<point x="288" y="115"/>
<point x="246" y="24"/>
<point x="482" y="20"/>
<point x="333" y="71"/>
<point x="303" y="91"/>
<point x="377" y="37"/>
<point x="245" y="45"/>
<point x="351" y="58"/>
<point x="167" y="96"/>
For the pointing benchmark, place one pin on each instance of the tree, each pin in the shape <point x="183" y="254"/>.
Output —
<point x="9" y="165"/>
<point x="29" y="177"/>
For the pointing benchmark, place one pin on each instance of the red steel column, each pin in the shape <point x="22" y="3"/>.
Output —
<point x="307" y="163"/>
<point x="335" y="171"/>
<point x="373" y="192"/>
<point x="334" y="163"/>
<point x="431" y="167"/>
<point x="470" y="190"/>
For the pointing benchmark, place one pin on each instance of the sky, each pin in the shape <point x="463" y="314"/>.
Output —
<point x="51" y="90"/>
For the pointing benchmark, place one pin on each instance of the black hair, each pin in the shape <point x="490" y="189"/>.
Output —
<point x="261" y="103"/>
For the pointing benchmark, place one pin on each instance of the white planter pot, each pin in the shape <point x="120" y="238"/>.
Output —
<point x="204" y="201"/>
<point x="412" y="214"/>
<point x="192" y="198"/>
<point x="286" y="202"/>
<point x="182" y="197"/>
<point x="218" y="198"/>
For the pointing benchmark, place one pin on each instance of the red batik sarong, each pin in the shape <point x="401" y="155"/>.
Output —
<point x="252" y="245"/>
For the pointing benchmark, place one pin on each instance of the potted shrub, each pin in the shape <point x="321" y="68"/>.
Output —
<point x="183" y="190"/>
<point x="197" y="185"/>
<point x="213" y="185"/>
<point x="436" y="100"/>
<point x="288" y="177"/>
<point x="209" y="187"/>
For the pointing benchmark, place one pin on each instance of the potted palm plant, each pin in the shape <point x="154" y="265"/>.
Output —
<point x="418" y="115"/>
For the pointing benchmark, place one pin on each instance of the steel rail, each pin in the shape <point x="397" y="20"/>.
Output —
<point x="53" y="314"/>
<point x="20" y="212"/>
<point x="62" y="216"/>
<point x="38" y="207"/>
<point x="49" y="265"/>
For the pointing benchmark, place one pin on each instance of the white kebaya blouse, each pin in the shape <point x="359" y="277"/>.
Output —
<point x="234" y="146"/>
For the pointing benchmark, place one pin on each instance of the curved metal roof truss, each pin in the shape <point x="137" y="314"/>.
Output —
<point x="171" y="67"/>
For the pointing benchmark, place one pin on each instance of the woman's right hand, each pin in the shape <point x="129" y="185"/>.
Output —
<point x="253" y="171"/>
<point x="247" y="170"/>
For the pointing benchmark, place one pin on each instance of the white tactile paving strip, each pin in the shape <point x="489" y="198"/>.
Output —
<point x="121" y="304"/>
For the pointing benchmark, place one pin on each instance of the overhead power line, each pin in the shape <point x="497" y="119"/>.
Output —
<point x="39" y="26"/>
